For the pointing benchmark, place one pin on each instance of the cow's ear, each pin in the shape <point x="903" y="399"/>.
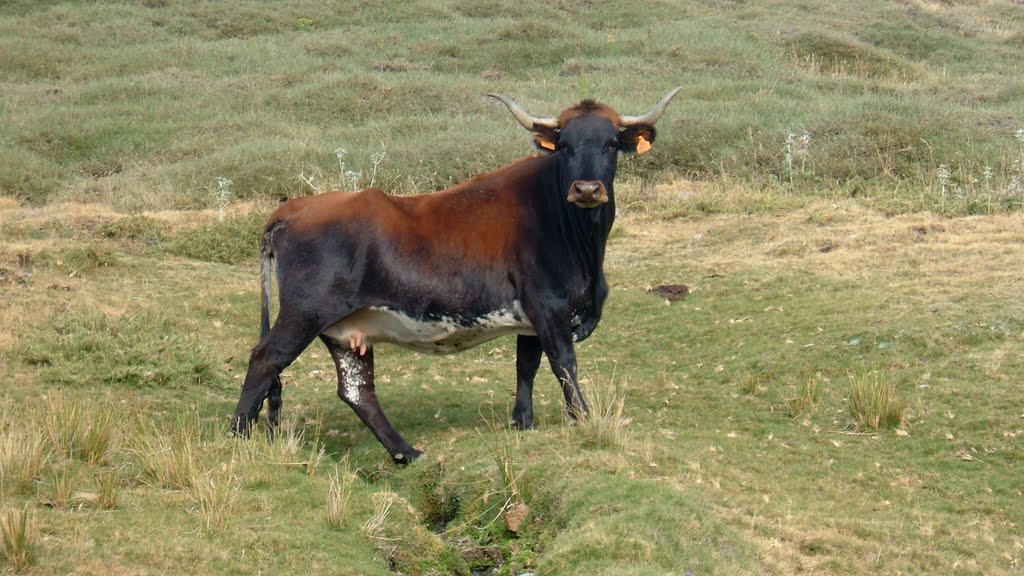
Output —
<point x="637" y="139"/>
<point x="546" y="139"/>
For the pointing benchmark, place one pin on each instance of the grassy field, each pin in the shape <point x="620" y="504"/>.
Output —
<point x="838" y="186"/>
<point x="143" y="105"/>
<point x="736" y="450"/>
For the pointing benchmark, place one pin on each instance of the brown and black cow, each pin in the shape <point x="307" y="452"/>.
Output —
<point x="516" y="251"/>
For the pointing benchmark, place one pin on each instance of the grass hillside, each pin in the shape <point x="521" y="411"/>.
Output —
<point x="838" y="186"/>
<point x="839" y="394"/>
<point x="143" y="105"/>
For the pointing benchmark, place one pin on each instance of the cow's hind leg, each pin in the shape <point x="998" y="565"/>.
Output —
<point x="274" y="405"/>
<point x="528" y="353"/>
<point x="272" y="354"/>
<point x="356" y="388"/>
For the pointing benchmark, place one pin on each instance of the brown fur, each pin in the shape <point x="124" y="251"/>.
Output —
<point x="589" y="108"/>
<point x="446" y="221"/>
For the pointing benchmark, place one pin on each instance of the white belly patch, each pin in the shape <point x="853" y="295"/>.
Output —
<point x="435" y="336"/>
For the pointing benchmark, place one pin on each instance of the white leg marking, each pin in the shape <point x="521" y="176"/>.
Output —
<point x="351" y="376"/>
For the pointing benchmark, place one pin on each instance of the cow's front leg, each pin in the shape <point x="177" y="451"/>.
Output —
<point x="563" y="364"/>
<point x="357" y="389"/>
<point x="528" y="352"/>
<point x="557" y="344"/>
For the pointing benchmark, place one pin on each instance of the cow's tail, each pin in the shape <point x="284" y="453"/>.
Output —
<point x="266" y="269"/>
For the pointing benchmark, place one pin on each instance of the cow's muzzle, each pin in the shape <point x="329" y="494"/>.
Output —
<point x="587" y="193"/>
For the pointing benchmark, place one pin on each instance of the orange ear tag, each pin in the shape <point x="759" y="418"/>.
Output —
<point x="642" y="145"/>
<point x="548" y="145"/>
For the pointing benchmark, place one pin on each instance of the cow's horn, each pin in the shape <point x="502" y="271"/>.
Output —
<point x="529" y="122"/>
<point x="651" y="117"/>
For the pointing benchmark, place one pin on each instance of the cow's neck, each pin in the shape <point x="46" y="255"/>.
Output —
<point x="583" y="232"/>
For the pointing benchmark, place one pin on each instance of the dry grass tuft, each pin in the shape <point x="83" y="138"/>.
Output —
<point x="338" y="494"/>
<point x="874" y="403"/>
<point x="605" y="425"/>
<point x="215" y="494"/>
<point x="24" y="453"/>
<point x="63" y="481"/>
<point x="264" y="458"/>
<point x="505" y="447"/>
<point x="108" y="483"/>
<point x="19" y="535"/>
<point x="374" y="527"/>
<point x="166" y="458"/>
<point x="750" y="384"/>
<point x="804" y="400"/>
<point x="80" y="431"/>
<point x="316" y="456"/>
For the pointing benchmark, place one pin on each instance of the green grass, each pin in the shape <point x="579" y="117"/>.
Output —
<point x="158" y="100"/>
<point x="723" y="432"/>
<point x="726" y="435"/>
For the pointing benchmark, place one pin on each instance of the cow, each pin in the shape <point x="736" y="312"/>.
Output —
<point x="516" y="251"/>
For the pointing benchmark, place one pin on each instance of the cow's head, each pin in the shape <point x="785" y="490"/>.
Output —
<point x="586" y="140"/>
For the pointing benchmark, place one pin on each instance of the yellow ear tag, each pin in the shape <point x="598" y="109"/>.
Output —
<point x="547" y="145"/>
<point x="642" y="145"/>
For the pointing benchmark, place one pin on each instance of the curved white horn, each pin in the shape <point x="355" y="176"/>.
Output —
<point x="651" y="117"/>
<point x="529" y="122"/>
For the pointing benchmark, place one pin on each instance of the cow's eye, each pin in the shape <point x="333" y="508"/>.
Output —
<point x="610" y="145"/>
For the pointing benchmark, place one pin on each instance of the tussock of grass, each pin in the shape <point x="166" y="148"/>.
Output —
<point x="19" y="536"/>
<point x="804" y="399"/>
<point x="751" y="383"/>
<point x="504" y="447"/>
<point x="79" y="430"/>
<point x="166" y="458"/>
<point x="264" y="459"/>
<point x="338" y="494"/>
<point x="24" y="454"/>
<point x="874" y="403"/>
<point x="374" y="526"/>
<point x="316" y="456"/>
<point x="63" y="486"/>
<point x="605" y="425"/>
<point x="108" y="486"/>
<point x="215" y="493"/>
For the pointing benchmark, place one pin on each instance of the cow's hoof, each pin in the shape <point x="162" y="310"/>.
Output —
<point x="523" y="424"/>
<point x="403" y="458"/>
<point x="240" y="428"/>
